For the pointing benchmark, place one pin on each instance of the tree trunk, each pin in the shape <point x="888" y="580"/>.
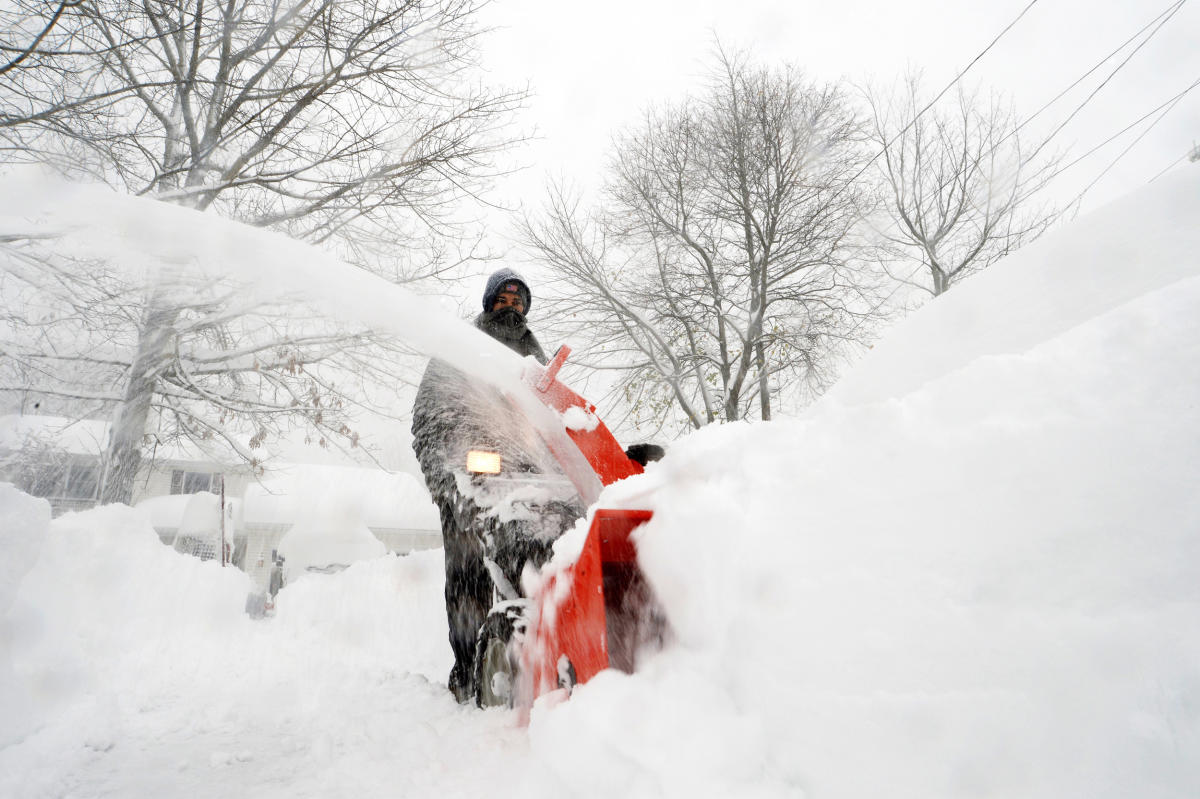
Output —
<point x="941" y="282"/>
<point x="764" y="397"/>
<point x="124" y="455"/>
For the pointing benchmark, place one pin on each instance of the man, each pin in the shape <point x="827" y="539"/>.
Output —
<point x="453" y="414"/>
<point x="506" y="300"/>
<point x="489" y="537"/>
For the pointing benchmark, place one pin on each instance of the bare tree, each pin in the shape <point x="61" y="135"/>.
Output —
<point x="16" y="54"/>
<point x="355" y="124"/>
<point x="323" y="118"/>
<point x="228" y="376"/>
<point x="718" y="275"/>
<point x="961" y="188"/>
<point x="35" y="464"/>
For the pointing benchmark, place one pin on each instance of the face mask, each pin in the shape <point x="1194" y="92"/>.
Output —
<point x="508" y="317"/>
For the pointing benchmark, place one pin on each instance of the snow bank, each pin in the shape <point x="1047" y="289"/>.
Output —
<point x="166" y="511"/>
<point x="986" y="585"/>
<point x="201" y="516"/>
<point x="23" y="523"/>
<point x="106" y="597"/>
<point x="1142" y="243"/>
<point x="319" y="544"/>
<point x="390" y="608"/>
<point x="140" y="661"/>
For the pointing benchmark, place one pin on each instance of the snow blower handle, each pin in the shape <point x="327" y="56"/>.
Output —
<point x="560" y="357"/>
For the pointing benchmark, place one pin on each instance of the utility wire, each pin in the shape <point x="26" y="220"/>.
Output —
<point x="1170" y="166"/>
<point x="1163" y="20"/>
<point x="1169" y="105"/>
<point x="1157" y="23"/>
<point x="1171" y="102"/>
<point x="917" y="116"/>
<point x="949" y="86"/>
<point x="1169" y="11"/>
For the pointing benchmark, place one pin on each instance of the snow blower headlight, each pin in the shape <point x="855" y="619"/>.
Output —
<point x="482" y="462"/>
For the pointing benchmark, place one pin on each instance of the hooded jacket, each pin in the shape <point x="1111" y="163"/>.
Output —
<point x="506" y="280"/>
<point x="507" y="326"/>
<point x="452" y="414"/>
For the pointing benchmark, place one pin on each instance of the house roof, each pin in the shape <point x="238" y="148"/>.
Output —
<point x="76" y="436"/>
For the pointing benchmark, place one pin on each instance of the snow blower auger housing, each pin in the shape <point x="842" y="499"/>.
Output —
<point x="598" y="612"/>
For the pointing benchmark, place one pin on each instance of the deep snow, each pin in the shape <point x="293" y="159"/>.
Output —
<point x="971" y="570"/>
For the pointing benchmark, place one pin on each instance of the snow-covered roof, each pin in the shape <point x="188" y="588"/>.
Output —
<point x="76" y="436"/>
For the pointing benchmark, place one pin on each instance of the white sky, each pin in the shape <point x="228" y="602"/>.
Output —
<point x="594" y="66"/>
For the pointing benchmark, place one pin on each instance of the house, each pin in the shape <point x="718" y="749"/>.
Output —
<point x="320" y="516"/>
<point x="316" y="517"/>
<point x="59" y="459"/>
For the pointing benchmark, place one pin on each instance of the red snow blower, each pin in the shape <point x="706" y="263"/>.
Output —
<point x="600" y="611"/>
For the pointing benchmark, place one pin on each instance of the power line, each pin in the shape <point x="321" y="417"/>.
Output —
<point x="1157" y="23"/>
<point x="1168" y="12"/>
<point x="1170" y="102"/>
<point x="1169" y="105"/>
<point x="950" y="85"/>
<point x="875" y="158"/>
<point x="1163" y="19"/>
<point x="1170" y="166"/>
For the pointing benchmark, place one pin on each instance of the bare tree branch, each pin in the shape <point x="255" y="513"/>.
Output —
<point x="961" y="189"/>
<point x="718" y="276"/>
<point x="356" y="124"/>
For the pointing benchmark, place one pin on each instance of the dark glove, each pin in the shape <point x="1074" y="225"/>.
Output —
<point x="644" y="453"/>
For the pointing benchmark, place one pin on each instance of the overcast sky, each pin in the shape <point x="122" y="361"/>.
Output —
<point x="594" y="66"/>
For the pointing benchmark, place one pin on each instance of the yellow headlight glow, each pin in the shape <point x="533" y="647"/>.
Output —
<point x="481" y="462"/>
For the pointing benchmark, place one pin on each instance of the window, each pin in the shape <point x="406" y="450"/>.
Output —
<point x="82" y="481"/>
<point x="192" y="482"/>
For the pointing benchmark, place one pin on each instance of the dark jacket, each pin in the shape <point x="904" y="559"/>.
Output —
<point x="509" y="328"/>
<point x="454" y="413"/>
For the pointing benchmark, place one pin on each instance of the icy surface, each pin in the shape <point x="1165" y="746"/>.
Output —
<point x="978" y="576"/>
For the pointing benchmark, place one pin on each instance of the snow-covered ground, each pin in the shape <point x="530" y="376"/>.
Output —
<point x="971" y="570"/>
